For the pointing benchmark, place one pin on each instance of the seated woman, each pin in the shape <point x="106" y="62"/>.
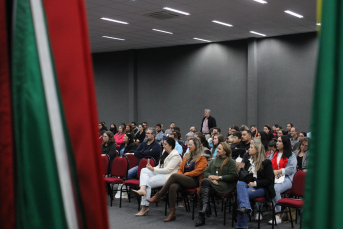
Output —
<point x="261" y="185"/>
<point x="302" y="154"/>
<point x="108" y="146"/>
<point x="119" y="137"/>
<point x="153" y="177"/>
<point x="127" y="146"/>
<point x="284" y="164"/>
<point x="139" y="136"/>
<point x="189" y="176"/>
<point x="221" y="177"/>
<point x="217" y="138"/>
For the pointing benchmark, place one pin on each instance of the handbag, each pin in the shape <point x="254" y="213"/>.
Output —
<point x="245" y="176"/>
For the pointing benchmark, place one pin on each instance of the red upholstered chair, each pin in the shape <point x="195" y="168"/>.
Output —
<point x="105" y="160"/>
<point x="184" y="148"/>
<point x="120" y="167"/>
<point x="134" y="183"/>
<point x="184" y="194"/>
<point x="263" y="202"/>
<point x="298" y="190"/>
<point x="132" y="159"/>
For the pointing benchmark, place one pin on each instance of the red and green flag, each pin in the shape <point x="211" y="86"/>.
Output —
<point x="54" y="151"/>
<point x="323" y="194"/>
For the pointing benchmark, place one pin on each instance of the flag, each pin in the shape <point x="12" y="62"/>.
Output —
<point x="59" y="182"/>
<point x="323" y="197"/>
<point x="6" y="140"/>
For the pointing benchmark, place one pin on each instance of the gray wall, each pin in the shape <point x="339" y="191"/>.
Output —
<point x="253" y="81"/>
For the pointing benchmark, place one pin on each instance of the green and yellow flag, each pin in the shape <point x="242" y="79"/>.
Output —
<point x="324" y="186"/>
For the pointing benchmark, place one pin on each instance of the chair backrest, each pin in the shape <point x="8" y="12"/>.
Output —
<point x="132" y="159"/>
<point x="120" y="166"/>
<point x="184" y="148"/>
<point x="143" y="163"/>
<point x="298" y="186"/>
<point x="105" y="159"/>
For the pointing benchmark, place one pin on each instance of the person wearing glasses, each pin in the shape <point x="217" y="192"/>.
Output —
<point x="108" y="146"/>
<point x="302" y="154"/>
<point x="147" y="149"/>
<point x="153" y="177"/>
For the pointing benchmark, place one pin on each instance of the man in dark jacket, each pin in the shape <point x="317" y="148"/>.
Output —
<point x="146" y="149"/>
<point x="237" y="146"/>
<point x="207" y="123"/>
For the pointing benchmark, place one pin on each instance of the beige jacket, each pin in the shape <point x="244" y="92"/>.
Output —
<point x="171" y="164"/>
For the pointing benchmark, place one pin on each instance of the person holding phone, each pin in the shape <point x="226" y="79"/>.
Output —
<point x="153" y="177"/>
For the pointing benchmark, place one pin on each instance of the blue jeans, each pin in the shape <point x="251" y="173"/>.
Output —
<point x="244" y="195"/>
<point x="280" y="188"/>
<point x="132" y="173"/>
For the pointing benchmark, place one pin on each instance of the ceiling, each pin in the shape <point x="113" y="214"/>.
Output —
<point x="245" y="16"/>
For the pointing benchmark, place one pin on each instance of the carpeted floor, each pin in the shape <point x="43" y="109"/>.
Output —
<point x="124" y="217"/>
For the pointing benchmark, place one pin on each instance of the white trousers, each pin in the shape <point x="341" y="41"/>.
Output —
<point x="150" y="180"/>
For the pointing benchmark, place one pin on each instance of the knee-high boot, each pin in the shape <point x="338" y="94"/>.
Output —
<point x="204" y="199"/>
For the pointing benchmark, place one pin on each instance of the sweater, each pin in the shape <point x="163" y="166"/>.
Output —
<point x="119" y="139"/>
<point x="229" y="173"/>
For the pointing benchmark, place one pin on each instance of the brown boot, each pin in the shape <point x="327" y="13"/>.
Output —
<point x="171" y="215"/>
<point x="156" y="198"/>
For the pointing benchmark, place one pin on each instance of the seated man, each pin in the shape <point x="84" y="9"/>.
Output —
<point x="188" y="136"/>
<point x="237" y="146"/>
<point x="146" y="149"/>
<point x="159" y="134"/>
<point x="178" y="147"/>
<point x="170" y="130"/>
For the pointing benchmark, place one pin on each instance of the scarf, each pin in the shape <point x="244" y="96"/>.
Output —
<point x="282" y="162"/>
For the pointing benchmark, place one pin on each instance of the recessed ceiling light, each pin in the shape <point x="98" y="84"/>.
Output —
<point x="294" y="14"/>
<point x="319" y="24"/>
<point x="261" y="34"/>
<point x="112" y="20"/>
<point x="162" y="31"/>
<point x="222" y="23"/>
<point x="201" y="39"/>
<point x="261" y="1"/>
<point x="176" y="11"/>
<point x="114" y="38"/>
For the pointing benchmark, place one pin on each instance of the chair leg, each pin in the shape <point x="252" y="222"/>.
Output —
<point x="128" y="191"/>
<point x="121" y="189"/>
<point x="194" y="203"/>
<point x="139" y="203"/>
<point x="290" y="215"/>
<point x="224" y="206"/>
<point x="214" y="206"/>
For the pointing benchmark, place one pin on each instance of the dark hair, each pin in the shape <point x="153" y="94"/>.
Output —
<point x="252" y="126"/>
<point x="284" y="132"/>
<point x="159" y="125"/>
<point x="144" y="123"/>
<point x="199" y="134"/>
<point x="217" y="128"/>
<point x="204" y="142"/>
<point x="178" y="133"/>
<point x="171" y="142"/>
<point x="130" y="137"/>
<point x="111" y="139"/>
<point x="134" y="123"/>
<point x="277" y="126"/>
<point x="177" y="128"/>
<point x="172" y="122"/>
<point x="220" y="139"/>
<point x="272" y="143"/>
<point x="237" y="134"/>
<point x="248" y="132"/>
<point x="304" y="133"/>
<point x="103" y="127"/>
<point x="290" y="124"/>
<point x="287" y="147"/>
<point x="235" y="127"/>
<point x="129" y="125"/>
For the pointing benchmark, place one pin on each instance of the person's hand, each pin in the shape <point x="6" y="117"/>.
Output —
<point x="251" y="184"/>
<point x="215" y="182"/>
<point x="150" y="167"/>
<point x="137" y="140"/>
<point x="213" y="177"/>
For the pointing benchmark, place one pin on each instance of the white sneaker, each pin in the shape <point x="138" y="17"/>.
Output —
<point x="117" y="196"/>
<point x="278" y="220"/>
<point x="256" y="216"/>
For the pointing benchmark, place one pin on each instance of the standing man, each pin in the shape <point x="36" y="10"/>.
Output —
<point x="207" y="123"/>
<point x="146" y="149"/>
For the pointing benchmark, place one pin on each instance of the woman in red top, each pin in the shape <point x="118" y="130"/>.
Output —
<point x="119" y="137"/>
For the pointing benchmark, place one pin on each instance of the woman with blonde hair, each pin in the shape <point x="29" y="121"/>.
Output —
<point x="221" y="177"/>
<point x="260" y="185"/>
<point x="189" y="176"/>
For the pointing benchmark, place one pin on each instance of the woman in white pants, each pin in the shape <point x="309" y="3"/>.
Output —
<point x="153" y="177"/>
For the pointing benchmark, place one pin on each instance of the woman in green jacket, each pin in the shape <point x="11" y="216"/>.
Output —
<point x="221" y="177"/>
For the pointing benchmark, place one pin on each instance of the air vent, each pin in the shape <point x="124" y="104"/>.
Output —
<point x="163" y="15"/>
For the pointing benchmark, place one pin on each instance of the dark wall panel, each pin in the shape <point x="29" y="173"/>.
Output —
<point x="286" y="69"/>
<point x="178" y="83"/>
<point x="112" y="85"/>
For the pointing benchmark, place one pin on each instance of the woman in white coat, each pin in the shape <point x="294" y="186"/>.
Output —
<point x="153" y="177"/>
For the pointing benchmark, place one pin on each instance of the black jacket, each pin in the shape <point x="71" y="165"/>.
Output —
<point x="211" y="123"/>
<point x="265" y="179"/>
<point x="240" y="151"/>
<point x="129" y="149"/>
<point x="144" y="150"/>
<point x="110" y="150"/>
<point x="140" y="136"/>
